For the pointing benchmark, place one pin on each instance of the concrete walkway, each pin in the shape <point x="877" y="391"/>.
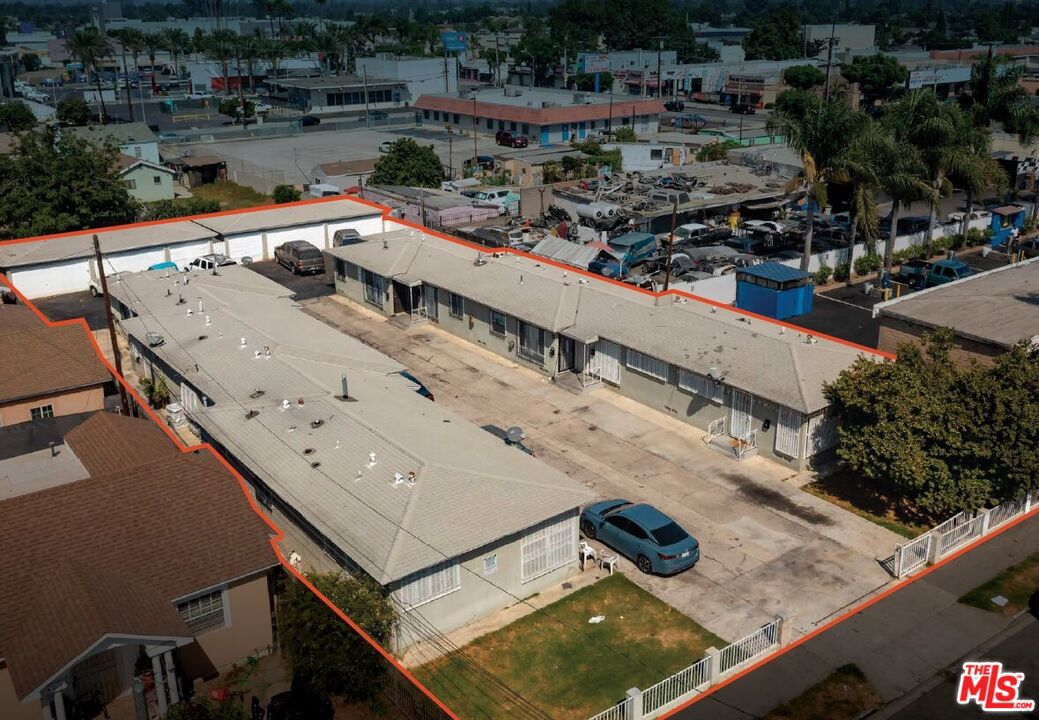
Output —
<point x="768" y="548"/>
<point x="900" y="642"/>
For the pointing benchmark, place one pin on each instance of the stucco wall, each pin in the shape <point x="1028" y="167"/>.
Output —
<point x="145" y="188"/>
<point x="10" y="708"/>
<point x="895" y="331"/>
<point x="72" y="403"/>
<point x="248" y="609"/>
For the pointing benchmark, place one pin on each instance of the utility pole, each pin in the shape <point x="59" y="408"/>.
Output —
<point x="447" y="86"/>
<point x="660" y="84"/>
<point x="609" y="123"/>
<point x="476" y="163"/>
<point x="497" y="63"/>
<point x="367" y="112"/>
<point x="124" y="401"/>
<point x="450" y="153"/>
<point x="670" y="245"/>
<point x="829" y="58"/>
<point x="241" y="93"/>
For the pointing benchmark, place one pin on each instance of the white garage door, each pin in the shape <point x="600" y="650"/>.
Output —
<point x="184" y="253"/>
<point x="606" y="363"/>
<point x="248" y="245"/>
<point x="134" y="261"/>
<point x="365" y="226"/>
<point x="53" y="279"/>
<point x="313" y="234"/>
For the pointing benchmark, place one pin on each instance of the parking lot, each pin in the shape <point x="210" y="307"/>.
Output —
<point x="761" y="536"/>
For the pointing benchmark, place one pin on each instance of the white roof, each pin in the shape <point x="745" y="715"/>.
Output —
<point x="567" y="252"/>
<point x="470" y="491"/>
<point x="767" y="359"/>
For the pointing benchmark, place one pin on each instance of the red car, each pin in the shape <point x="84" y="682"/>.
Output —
<point x="510" y="140"/>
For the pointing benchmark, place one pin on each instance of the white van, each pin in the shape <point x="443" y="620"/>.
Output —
<point x="323" y="190"/>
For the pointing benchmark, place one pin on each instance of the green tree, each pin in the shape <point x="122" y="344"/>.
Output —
<point x="128" y="38"/>
<point x="56" y="183"/>
<point x="73" y="111"/>
<point x="586" y="81"/>
<point x="940" y="436"/>
<point x="176" y="42"/>
<point x="879" y="77"/>
<point x="285" y="194"/>
<point x="716" y="150"/>
<point x="91" y="48"/>
<point x="30" y="61"/>
<point x="183" y="207"/>
<point x="803" y="77"/>
<point x="16" y="117"/>
<point x="777" y="36"/>
<point x="408" y="163"/>
<point x="625" y="134"/>
<point x="797" y="103"/>
<point x="325" y="653"/>
<point x="232" y="107"/>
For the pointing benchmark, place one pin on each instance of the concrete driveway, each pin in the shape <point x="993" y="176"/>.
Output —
<point x="768" y="548"/>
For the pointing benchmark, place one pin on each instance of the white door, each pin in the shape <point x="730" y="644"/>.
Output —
<point x="740" y="413"/>
<point x="788" y="432"/>
<point x="189" y="400"/>
<point x="822" y="433"/>
<point x="606" y="363"/>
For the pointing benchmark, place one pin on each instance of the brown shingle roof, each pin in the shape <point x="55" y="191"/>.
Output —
<point x="108" y="443"/>
<point x="44" y="360"/>
<point x="110" y="554"/>
<point x="348" y="167"/>
<point x="17" y="317"/>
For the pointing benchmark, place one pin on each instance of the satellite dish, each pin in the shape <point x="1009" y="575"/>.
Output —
<point x="515" y="434"/>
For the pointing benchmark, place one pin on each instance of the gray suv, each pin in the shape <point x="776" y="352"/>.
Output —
<point x="300" y="257"/>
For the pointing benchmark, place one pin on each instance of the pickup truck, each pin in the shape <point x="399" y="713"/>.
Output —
<point x="947" y="271"/>
<point x="914" y="273"/>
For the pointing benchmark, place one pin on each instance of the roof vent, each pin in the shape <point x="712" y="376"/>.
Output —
<point x="251" y="414"/>
<point x="308" y="451"/>
<point x="243" y="342"/>
<point x="285" y="404"/>
<point x="209" y="321"/>
<point x="371" y="460"/>
<point x="257" y="394"/>
<point x="385" y="244"/>
<point x="316" y="424"/>
<point x="479" y="262"/>
<point x="411" y="478"/>
<point x="154" y="339"/>
<point x="398" y="479"/>
<point x="202" y="337"/>
<point x="811" y="339"/>
<point x="316" y="464"/>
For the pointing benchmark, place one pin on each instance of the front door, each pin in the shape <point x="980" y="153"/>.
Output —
<point x="740" y="413"/>
<point x="566" y="353"/>
<point x="401" y="298"/>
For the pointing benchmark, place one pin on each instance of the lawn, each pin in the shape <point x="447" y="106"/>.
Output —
<point x="844" y="695"/>
<point x="231" y="196"/>
<point x="1017" y="584"/>
<point x="850" y="492"/>
<point x="569" y="668"/>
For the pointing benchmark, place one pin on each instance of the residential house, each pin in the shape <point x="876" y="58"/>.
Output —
<point x="134" y="139"/>
<point x="344" y="173"/>
<point x="431" y="207"/>
<point x="146" y="181"/>
<point x="360" y="470"/>
<point x="755" y="385"/>
<point x="143" y="560"/>
<point x="542" y="115"/>
<point x="45" y="371"/>
<point x="988" y="313"/>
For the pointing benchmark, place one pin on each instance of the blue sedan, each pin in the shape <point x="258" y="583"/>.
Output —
<point x="642" y="533"/>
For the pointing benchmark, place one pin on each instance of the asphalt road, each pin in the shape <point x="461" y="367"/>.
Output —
<point x="304" y="287"/>
<point x="74" y="305"/>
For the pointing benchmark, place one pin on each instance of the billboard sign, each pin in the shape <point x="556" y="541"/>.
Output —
<point x="930" y="77"/>
<point x="593" y="62"/>
<point x="454" y="41"/>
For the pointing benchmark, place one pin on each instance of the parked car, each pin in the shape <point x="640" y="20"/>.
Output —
<point x="634" y="247"/>
<point x="385" y="146"/>
<point x="484" y="162"/>
<point x="674" y="105"/>
<point x="210" y="262"/>
<point x="914" y="273"/>
<point x="639" y="531"/>
<point x="747" y="245"/>
<point x="299" y="704"/>
<point x="262" y="108"/>
<point x="171" y="137"/>
<point x="198" y="96"/>
<point x="770" y="225"/>
<point x="742" y="109"/>
<point x="348" y="236"/>
<point x="697" y="234"/>
<point x="957" y="217"/>
<point x="947" y="271"/>
<point x="690" y="121"/>
<point x="307" y="120"/>
<point x="503" y="137"/>
<point x="300" y="257"/>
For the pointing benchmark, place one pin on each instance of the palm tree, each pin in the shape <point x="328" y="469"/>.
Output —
<point x="220" y="48"/>
<point x="198" y="43"/>
<point x="126" y="37"/>
<point x="820" y="137"/>
<point x="273" y="51"/>
<point x="151" y="43"/>
<point x="91" y="48"/>
<point x="176" y="42"/>
<point x="249" y="51"/>
<point x="327" y="45"/>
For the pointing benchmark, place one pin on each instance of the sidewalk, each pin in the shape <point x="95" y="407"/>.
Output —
<point x="900" y="642"/>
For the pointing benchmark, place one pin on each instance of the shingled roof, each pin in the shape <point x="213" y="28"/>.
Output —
<point x="108" y="443"/>
<point x="42" y="360"/>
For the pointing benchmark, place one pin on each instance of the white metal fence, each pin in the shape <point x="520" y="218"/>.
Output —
<point x="672" y="691"/>
<point x="954" y="533"/>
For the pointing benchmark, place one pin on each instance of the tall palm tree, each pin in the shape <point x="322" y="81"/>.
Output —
<point x="220" y="48"/>
<point x="176" y="42"/>
<point x="328" y="46"/>
<point x="91" y="48"/>
<point x="820" y="137"/>
<point x="126" y="37"/>
<point x="151" y="43"/>
<point x="249" y="52"/>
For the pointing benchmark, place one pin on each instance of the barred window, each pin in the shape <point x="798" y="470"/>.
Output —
<point x="701" y="385"/>
<point x="457" y="305"/>
<point x="498" y="323"/>
<point x="430" y="584"/>
<point x="551" y="546"/>
<point x="531" y="342"/>
<point x="373" y="287"/>
<point x="647" y="364"/>
<point x="204" y="613"/>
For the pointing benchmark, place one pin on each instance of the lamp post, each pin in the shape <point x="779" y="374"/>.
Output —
<point x="475" y="123"/>
<point x="531" y="56"/>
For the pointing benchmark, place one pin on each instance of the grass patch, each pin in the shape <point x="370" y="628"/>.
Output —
<point x="844" y="695"/>
<point x="850" y="492"/>
<point x="231" y="196"/>
<point x="1017" y="584"/>
<point x="568" y="668"/>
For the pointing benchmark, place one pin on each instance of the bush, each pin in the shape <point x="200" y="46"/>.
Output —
<point x="975" y="237"/>
<point x="716" y="150"/>
<point x="285" y="194"/>
<point x="822" y="275"/>
<point x="163" y="209"/>
<point x="841" y="272"/>
<point x="73" y="111"/>
<point x="625" y="134"/>
<point x="955" y="242"/>
<point x="866" y="264"/>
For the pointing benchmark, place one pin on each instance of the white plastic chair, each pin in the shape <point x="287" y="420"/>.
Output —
<point x="608" y="560"/>
<point x="587" y="553"/>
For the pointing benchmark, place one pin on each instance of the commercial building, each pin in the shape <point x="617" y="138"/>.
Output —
<point x="988" y="313"/>
<point x="420" y="75"/>
<point x="339" y="92"/>
<point x="132" y="557"/>
<point x="754" y="385"/>
<point x="360" y="470"/>
<point x="540" y="114"/>
<point x="46" y="372"/>
<point x="54" y="265"/>
<point x="846" y="38"/>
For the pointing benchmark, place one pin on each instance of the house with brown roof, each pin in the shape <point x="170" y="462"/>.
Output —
<point x="150" y="572"/>
<point x="542" y="115"/>
<point x="344" y="173"/>
<point x="46" y="371"/>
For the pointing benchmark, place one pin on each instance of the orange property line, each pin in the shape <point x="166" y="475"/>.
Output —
<point x="279" y="535"/>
